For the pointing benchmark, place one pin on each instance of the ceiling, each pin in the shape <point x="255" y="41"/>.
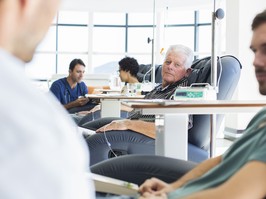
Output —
<point x="131" y="5"/>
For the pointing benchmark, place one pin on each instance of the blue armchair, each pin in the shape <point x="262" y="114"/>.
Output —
<point x="229" y="69"/>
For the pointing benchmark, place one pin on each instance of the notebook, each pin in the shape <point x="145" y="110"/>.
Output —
<point x="113" y="186"/>
<point x="85" y="131"/>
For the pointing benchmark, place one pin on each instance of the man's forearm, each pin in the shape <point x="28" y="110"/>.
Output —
<point x="145" y="128"/>
<point x="198" y="171"/>
<point x="70" y="105"/>
<point x="126" y="108"/>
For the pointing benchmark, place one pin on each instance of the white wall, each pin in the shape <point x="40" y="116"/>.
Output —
<point x="239" y="16"/>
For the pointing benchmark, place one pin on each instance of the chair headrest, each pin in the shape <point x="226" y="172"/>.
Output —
<point x="201" y="71"/>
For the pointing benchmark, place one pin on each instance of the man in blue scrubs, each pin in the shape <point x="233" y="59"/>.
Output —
<point x="71" y="90"/>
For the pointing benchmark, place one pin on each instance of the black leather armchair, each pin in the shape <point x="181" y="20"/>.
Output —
<point x="138" y="168"/>
<point x="144" y="73"/>
<point x="229" y="69"/>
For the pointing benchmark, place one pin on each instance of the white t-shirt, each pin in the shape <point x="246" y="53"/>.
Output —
<point x="41" y="153"/>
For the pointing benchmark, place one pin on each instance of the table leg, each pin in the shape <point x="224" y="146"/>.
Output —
<point x="213" y="130"/>
<point x="172" y="135"/>
<point x="110" y="108"/>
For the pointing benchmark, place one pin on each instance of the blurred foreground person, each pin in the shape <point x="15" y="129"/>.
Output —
<point x="42" y="155"/>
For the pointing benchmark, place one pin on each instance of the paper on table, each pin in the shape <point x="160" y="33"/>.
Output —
<point x="114" y="186"/>
<point x="85" y="131"/>
<point x="154" y="101"/>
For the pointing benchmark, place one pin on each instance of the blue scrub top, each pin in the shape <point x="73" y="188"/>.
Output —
<point x="61" y="89"/>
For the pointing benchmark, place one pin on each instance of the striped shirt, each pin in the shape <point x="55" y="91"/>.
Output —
<point x="159" y="93"/>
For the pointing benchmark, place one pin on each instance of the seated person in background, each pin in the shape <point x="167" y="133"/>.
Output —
<point x="70" y="90"/>
<point x="128" y="69"/>
<point x="175" y="69"/>
<point x="241" y="171"/>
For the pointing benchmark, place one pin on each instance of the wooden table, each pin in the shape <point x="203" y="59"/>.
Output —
<point x="111" y="103"/>
<point x="171" y="114"/>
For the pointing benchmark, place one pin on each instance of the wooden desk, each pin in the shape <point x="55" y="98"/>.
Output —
<point x="171" y="114"/>
<point x="111" y="103"/>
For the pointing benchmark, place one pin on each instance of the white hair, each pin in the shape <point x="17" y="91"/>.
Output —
<point x="185" y="51"/>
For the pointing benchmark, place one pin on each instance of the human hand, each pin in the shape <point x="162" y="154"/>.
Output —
<point x="82" y="101"/>
<point x="83" y="113"/>
<point x="94" y="109"/>
<point x="154" y="186"/>
<point x="115" y="125"/>
<point x="148" y="195"/>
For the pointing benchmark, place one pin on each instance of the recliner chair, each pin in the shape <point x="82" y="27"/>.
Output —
<point x="144" y="73"/>
<point x="229" y="69"/>
<point x="198" y="136"/>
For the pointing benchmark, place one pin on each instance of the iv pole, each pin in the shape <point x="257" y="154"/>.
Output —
<point x="219" y="13"/>
<point x="152" y="51"/>
<point x="213" y="50"/>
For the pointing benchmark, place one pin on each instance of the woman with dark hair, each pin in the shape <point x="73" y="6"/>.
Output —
<point x="128" y="70"/>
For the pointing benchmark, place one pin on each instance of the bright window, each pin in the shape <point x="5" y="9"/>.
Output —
<point x="73" y="17"/>
<point x="179" y="17"/>
<point x="108" y="39"/>
<point x="49" y="42"/>
<point x="138" y="40"/>
<point x="102" y="18"/>
<point x="42" y="66"/>
<point x="205" y="39"/>
<point x="72" y="39"/>
<point x="140" y="19"/>
<point x="179" y="35"/>
<point x="112" y="36"/>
